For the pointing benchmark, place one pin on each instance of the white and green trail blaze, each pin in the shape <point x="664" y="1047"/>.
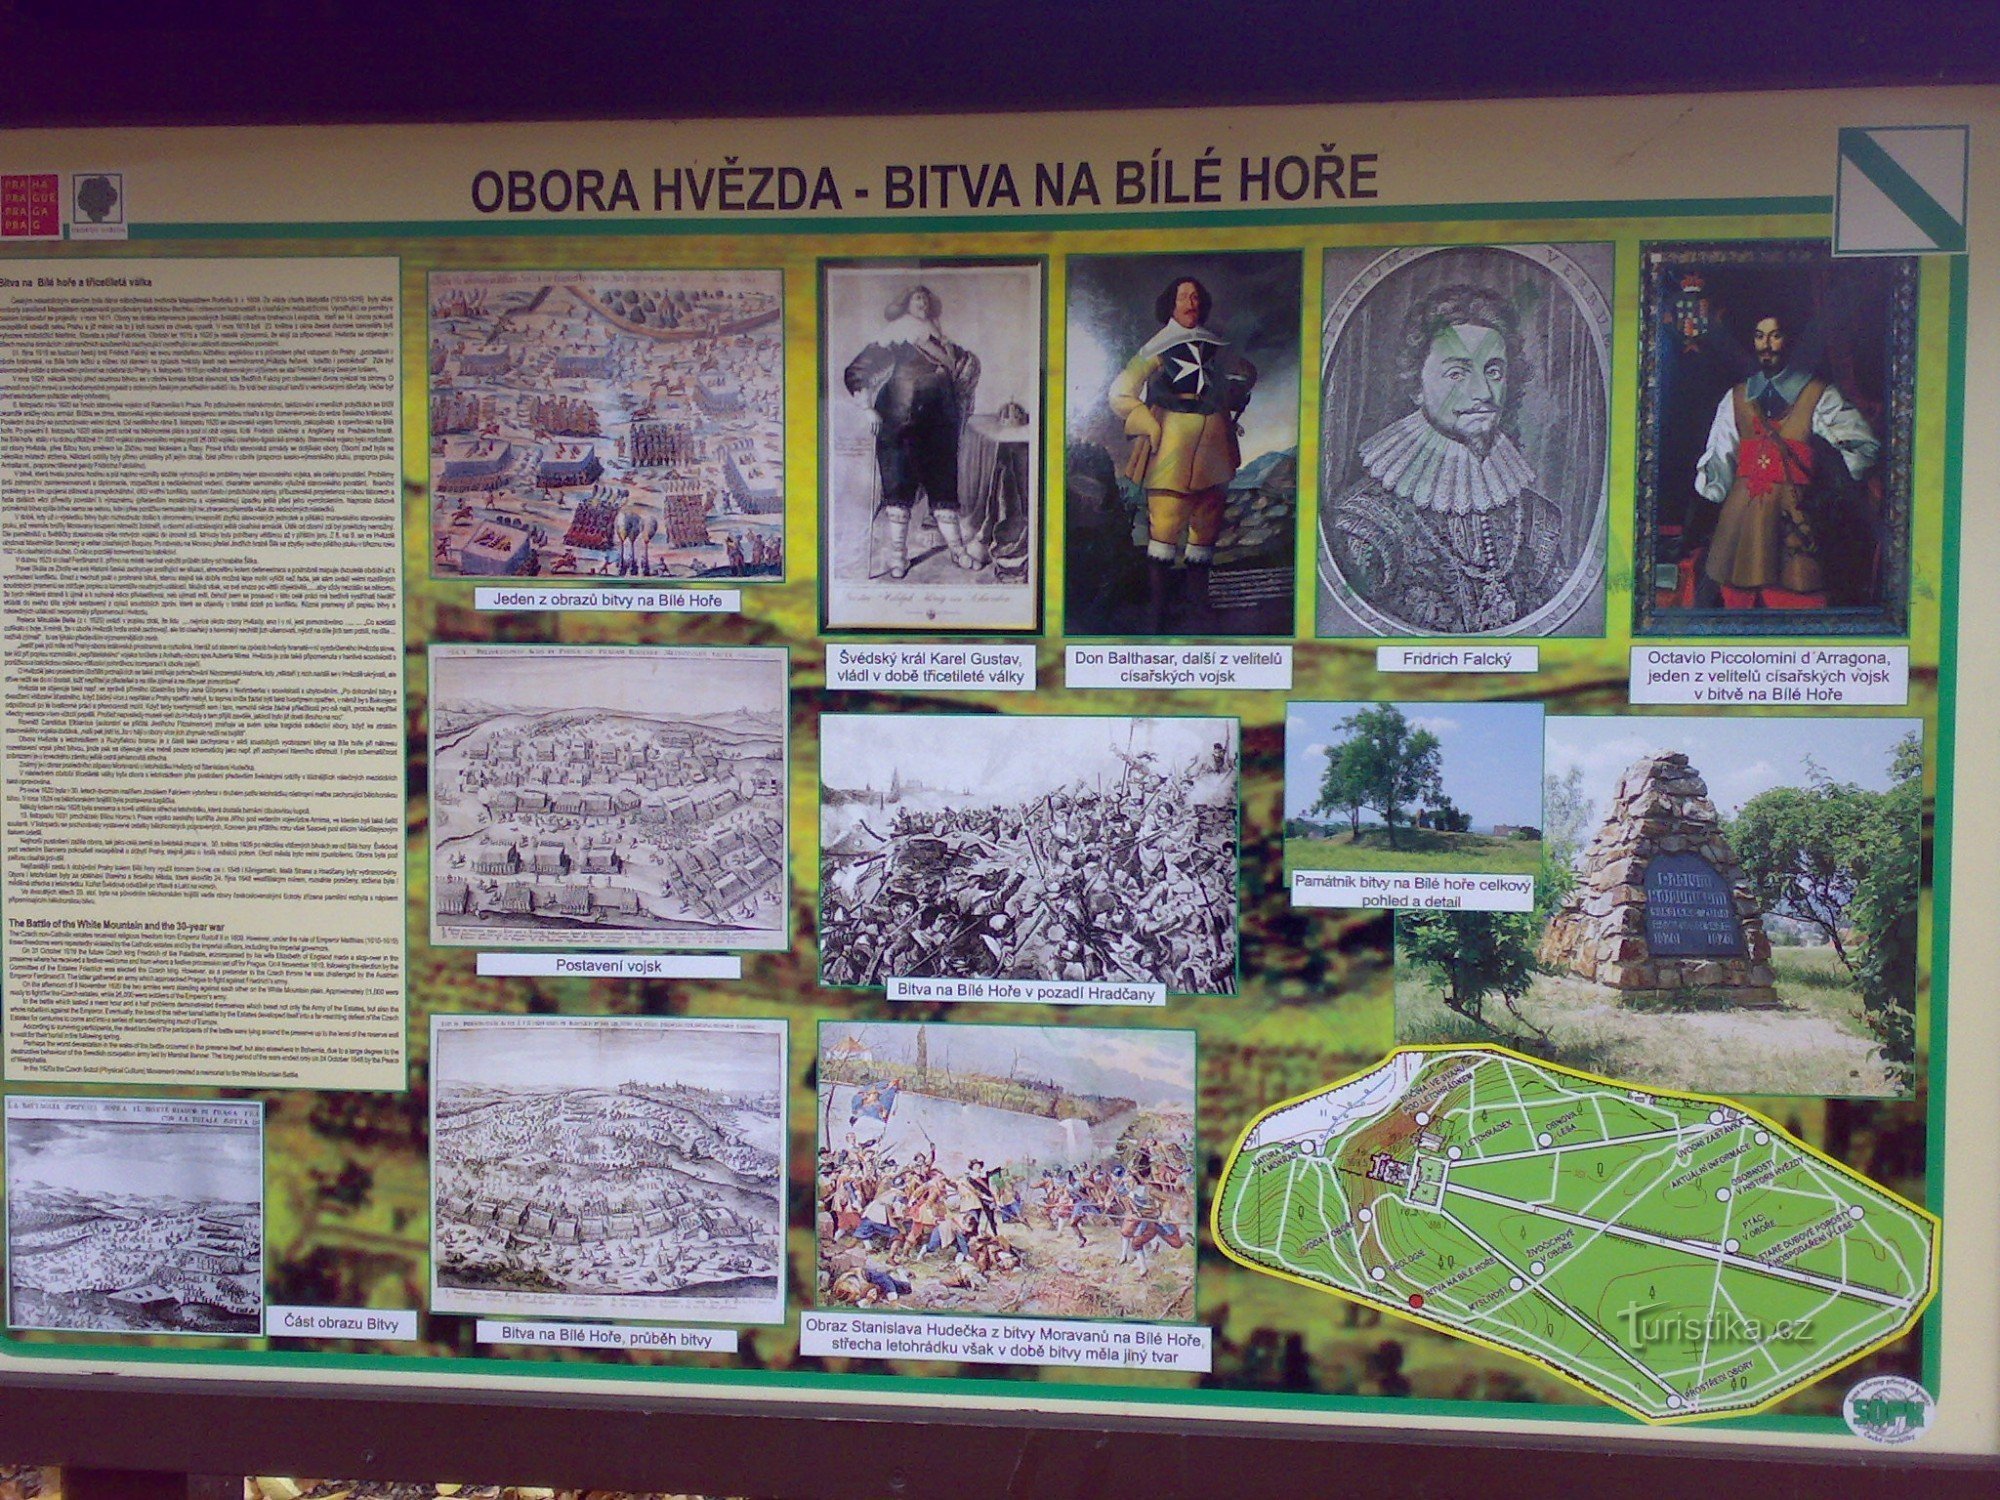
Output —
<point x="1679" y="1256"/>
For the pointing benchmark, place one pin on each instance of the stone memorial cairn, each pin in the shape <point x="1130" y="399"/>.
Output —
<point x="1601" y="930"/>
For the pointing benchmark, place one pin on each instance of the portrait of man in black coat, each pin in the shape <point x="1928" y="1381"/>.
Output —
<point x="919" y="385"/>
<point x="931" y="375"/>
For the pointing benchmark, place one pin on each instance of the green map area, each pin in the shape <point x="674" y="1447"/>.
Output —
<point x="1680" y="1257"/>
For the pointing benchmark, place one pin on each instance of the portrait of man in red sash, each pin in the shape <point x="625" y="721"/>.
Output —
<point x="1776" y="408"/>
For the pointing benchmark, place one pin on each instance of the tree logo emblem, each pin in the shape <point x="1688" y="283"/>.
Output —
<point x="99" y="199"/>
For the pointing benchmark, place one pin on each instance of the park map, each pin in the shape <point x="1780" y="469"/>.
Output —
<point x="1679" y="1256"/>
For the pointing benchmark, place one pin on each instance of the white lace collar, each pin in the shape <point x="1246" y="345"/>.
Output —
<point x="1433" y="471"/>
<point x="909" y="329"/>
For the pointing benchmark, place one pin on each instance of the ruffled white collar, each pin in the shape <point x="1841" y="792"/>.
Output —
<point x="1433" y="471"/>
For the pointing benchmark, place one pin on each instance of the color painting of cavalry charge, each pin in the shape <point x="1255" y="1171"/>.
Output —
<point x="965" y="846"/>
<point x="624" y="424"/>
<point x="1007" y="1170"/>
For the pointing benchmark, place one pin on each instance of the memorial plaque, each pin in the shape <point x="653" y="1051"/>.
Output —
<point x="1690" y="909"/>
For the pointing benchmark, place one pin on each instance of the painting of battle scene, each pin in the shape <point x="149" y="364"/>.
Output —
<point x="626" y="797"/>
<point x="623" y="424"/>
<point x="1085" y="848"/>
<point x="608" y="1168"/>
<point x="135" y="1216"/>
<point x="1043" y="1171"/>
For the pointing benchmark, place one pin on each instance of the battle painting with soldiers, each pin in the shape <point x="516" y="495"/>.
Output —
<point x="1092" y="849"/>
<point x="607" y="424"/>
<point x="1043" y="1171"/>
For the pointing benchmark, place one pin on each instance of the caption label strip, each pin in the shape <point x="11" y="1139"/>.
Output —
<point x="626" y="601"/>
<point x="608" y="1336"/>
<point x="1458" y="658"/>
<point x="1822" y="676"/>
<point x="1029" y="991"/>
<point x="613" y="965"/>
<point x="931" y="669"/>
<point x="1007" y="1341"/>
<point x="1412" y="890"/>
<point x="388" y="1325"/>
<point x="1266" y="669"/>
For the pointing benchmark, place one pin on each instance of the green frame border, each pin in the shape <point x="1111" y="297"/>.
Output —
<point x="1219" y="218"/>
<point x="1246" y="1404"/>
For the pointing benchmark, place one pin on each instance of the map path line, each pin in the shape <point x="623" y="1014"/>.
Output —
<point x="1698" y="1247"/>
<point x="1588" y="1145"/>
<point x="1782" y="1264"/>
<point x="1533" y="1289"/>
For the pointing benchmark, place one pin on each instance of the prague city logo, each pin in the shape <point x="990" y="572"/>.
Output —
<point x="1889" y="1409"/>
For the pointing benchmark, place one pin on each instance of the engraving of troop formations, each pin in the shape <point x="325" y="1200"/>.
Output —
<point x="632" y="425"/>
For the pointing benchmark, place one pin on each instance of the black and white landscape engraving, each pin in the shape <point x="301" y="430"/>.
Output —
<point x="136" y="1216"/>
<point x="608" y="797"/>
<point x="586" y="1167"/>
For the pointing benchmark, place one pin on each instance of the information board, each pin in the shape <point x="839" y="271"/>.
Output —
<point x="1262" y="765"/>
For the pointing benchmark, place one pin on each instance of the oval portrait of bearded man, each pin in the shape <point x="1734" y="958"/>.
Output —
<point x="1464" y="409"/>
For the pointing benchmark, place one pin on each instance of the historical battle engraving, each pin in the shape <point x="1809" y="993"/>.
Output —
<point x="135" y="1215"/>
<point x="608" y="1168"/>
<point x="608" y="797"/>
<point x="963" y="846"/>
<point x="625" y="424"/>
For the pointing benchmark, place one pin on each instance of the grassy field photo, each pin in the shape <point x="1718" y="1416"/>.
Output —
<point x="1818" y="826"/>
<point x="1421" y="849"/>
<point x="1816" y="1043"/>
<point x="1454" y="788"/>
